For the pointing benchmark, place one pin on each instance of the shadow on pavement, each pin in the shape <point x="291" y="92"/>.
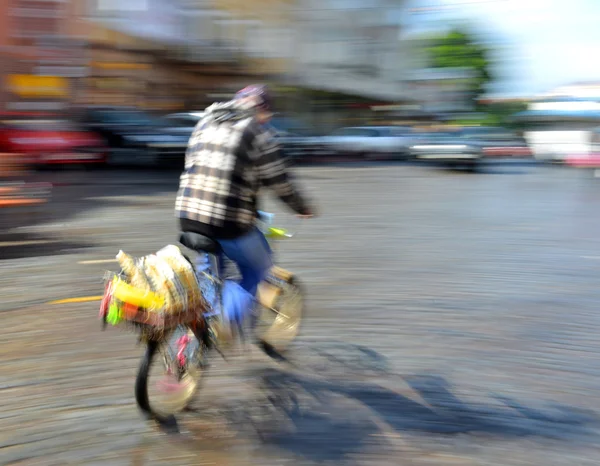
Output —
<point x="326" y="425"/>
<point x="340" y="411"/>
<point x="21" y="246"/>
<point x="322" y="418"/>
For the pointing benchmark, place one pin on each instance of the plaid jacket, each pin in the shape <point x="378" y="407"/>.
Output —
<point x="230" y="156"/>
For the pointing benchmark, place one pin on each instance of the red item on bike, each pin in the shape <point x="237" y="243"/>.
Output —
<point x="130" y="311"/>
<point x="106" y="299"/>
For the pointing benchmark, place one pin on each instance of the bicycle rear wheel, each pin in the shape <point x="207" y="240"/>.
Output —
<point x="170" y="374"/>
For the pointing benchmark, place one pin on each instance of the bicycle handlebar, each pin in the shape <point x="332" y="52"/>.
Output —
<point x="267" y="219"/>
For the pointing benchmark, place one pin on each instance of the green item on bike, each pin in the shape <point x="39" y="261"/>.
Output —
<point x="114" y="314"/>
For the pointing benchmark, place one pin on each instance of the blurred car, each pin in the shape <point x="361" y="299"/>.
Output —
<point x="297" y="140"/>
<point x="183" y="123"/>
<point x="589" y="158"/>
<point x="290" y="125"/>
<point x="293" y="136"/>
<point x="468" y="146"/>
<point x="498" y="142"/>
<point x="51" y="142"/>
<point x="370" y="142"/>
<point x="136" y="137"/>
<point x="448" y="147"/>
<point x="298" y="148"/>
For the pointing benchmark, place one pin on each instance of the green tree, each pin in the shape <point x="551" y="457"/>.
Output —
<point x="459" y="49"/>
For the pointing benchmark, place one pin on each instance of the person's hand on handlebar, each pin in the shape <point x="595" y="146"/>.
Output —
<point x="308" y="213"/>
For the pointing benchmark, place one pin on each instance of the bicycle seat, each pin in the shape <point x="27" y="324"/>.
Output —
<point x="199" y="243"/>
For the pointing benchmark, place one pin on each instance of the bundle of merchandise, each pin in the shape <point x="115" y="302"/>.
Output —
<point x="154" y="289"/>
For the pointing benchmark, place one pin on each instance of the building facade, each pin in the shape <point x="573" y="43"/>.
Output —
<point x="356" y="51"/>
<point x="157" y="54"/>
<point x="38" y="59"/>
<point x="155" y="58"/>
<point x="173" y="54"/>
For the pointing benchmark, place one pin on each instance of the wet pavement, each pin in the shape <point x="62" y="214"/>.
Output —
<point x="453" y="320"/>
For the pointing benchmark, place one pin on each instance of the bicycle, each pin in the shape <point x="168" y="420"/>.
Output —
<point x="184" y="341"/>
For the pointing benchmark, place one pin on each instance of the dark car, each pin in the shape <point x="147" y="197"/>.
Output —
<point x="136" y="137"/>
<point x="297" y="141"/>
<point x="184" y="123"/>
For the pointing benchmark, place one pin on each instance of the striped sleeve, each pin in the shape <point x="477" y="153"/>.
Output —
<point x="273" y="170"/>
<point x="194" y="145"/>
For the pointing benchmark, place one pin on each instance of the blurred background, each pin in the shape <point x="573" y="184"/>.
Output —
<point x="92" y="81"/>
<point x="453" y="148"/>
<point x="84" y="80"/>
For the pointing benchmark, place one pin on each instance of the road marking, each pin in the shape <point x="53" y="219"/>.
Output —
<point x="84" y="299"/>
<point x="98" y="261"/>
<point x="591" y="257"/>
<point x="8" y="244"/>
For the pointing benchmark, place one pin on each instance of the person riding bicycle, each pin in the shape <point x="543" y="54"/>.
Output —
<point x="231" y="155"/>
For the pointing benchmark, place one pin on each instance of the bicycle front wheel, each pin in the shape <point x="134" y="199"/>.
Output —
<point x="280" y="319"/>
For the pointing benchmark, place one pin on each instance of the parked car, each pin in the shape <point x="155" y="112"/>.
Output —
<point x="468" y="146"/>
<point x="589" y="158"/>
<point x="294" y="138"/>
<point x="297" y="140"/>
<point x="299" y="148"/>
<point x="51" y="142"/>
<point x="448" y="147"/>
<point x="184" y="123"/>
<point x="370" y="142"/>
<point x="498" y="142"/>
<point x="136" y="137"/>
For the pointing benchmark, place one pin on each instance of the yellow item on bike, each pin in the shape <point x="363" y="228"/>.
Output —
<point x="145" y="299"/>
<point x="185" y="273"/>
<point x="277" y="233"/>
<point x="163" y="282"/>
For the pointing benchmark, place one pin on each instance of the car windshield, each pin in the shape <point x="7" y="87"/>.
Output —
<point x="383" y="131"/>
<point x="400" y="131"/>
<point x="288" y="125"/>
<point x="487" y="133"/>
<point x="183" y="121"/>
<point x="40" y="125"/>
<point x="127" y="118"/>
<point x="437" y="135"/>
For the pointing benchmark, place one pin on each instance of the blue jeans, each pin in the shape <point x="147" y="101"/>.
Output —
<point x="252" y="254"/>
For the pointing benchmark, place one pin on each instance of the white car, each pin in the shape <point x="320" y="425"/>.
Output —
<point x="370" y="142"/>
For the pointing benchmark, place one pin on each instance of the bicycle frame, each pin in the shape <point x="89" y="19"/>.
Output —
<point x="268" y="292"/>
<point x="177" y="335"/>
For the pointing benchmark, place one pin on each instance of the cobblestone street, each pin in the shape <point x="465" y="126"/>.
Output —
<point x="453" y="319"/>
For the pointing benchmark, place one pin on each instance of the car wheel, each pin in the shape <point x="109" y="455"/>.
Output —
<point x="474" y="166"/>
